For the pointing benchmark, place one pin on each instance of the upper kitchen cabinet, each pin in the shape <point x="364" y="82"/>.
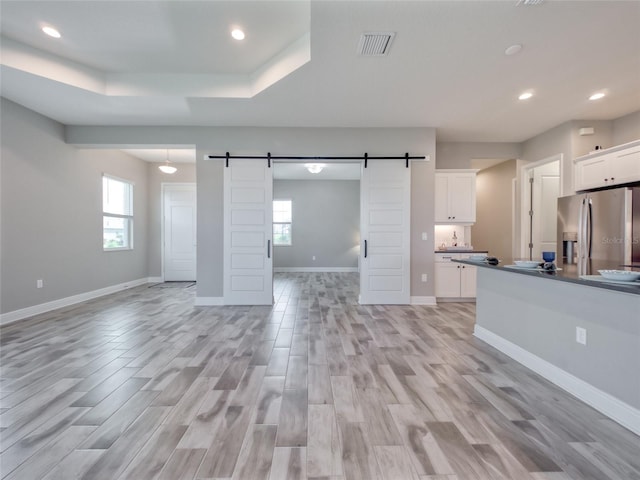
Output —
<point x="455" y="193"/>
<point x="613" y="166"/>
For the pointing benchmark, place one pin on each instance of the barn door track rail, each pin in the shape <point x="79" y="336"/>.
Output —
<point x="406" y="157"/>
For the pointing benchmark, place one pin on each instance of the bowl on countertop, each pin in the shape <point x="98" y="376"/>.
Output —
<point x="620" y="275"/>
<point x="527" y="263"/>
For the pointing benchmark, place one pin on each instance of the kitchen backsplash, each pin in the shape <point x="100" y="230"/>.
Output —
<point x="444" y="234"/>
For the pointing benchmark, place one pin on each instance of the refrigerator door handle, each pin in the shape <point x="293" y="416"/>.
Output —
<point x="581" y="230"/>
<point x="589" y="230"/>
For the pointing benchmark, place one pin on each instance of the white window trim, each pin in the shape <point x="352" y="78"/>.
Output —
<point x="284" y="223"/>
<point x="116" y="215"/>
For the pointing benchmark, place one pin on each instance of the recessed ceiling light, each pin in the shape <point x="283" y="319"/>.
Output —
<point x="525" y="96"/>
<point x="237" y="34"/>
<point x="513" y="49"/>
<point x="52" y="32"/>
<point x="596" y="96"/>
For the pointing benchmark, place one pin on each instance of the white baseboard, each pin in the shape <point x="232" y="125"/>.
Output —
<point x="612" y="407"/>
<point x="16" y="315"/>
<point x="456" y="299"/>
<point x="155" y="280"/>
<point x="315" y="269"/>
<point x="423" y="301"/>
<point x="209" y="301"/>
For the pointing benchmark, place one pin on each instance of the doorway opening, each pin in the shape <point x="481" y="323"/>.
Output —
<point x="541" y="186"/>
<point x="322" y="228"/>
<point x="378" y="247"/>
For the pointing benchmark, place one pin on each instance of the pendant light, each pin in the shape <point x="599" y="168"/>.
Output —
<point x="166" y="168"/>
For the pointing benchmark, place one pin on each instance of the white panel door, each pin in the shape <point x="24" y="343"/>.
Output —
<point x="248" y="212"/>
<point x="179" y="208"/>
<point x="385" y="231"/>
<point x="546" y="189"/>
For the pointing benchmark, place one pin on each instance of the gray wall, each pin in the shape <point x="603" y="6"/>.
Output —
<point x="51" y="210"/>
<point x="285" y="141"/>
<point x="460" y="154"/>
<point x="626" y="129"/>
<point x="566" y="139"/>
<point x="494" y="210"/>
<point x="186" y="174"/>
<point x="325" y="223"/>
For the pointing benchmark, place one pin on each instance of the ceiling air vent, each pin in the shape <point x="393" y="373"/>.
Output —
<point x="375" y="44"/>
<point x="528" y="3"/>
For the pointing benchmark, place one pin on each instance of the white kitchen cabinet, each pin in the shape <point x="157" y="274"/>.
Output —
<point x="614" y="166"/>
<point x="592" y="173"/>
<point x="626" y="166"/>
<point x="455" y="196"/>
<point x="468" y="275"/>
<point x="454" y="280"/>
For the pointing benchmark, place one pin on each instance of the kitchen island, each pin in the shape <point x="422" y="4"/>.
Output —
<point x="537" y="318"/>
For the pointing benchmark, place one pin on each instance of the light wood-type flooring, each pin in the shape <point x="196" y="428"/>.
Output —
<point x="142" y="384"/>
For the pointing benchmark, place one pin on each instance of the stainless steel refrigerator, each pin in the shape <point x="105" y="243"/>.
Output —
<point x="602" y="225"/>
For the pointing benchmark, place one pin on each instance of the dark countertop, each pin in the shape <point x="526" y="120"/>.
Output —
<point x="569" y="273"/>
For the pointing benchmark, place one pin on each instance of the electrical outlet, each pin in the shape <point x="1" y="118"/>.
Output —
<point x="424" y="235"/>
<point x="39" y="283"/>
<point x="424" y="277"/>
<point x="313" y="258"/>
<point x="581" y="335"/>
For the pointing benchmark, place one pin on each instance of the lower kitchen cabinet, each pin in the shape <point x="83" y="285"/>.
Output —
<point x="454" y="280"/>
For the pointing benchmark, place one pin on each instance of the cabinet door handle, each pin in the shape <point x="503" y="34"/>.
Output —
<point x="365" y="249"/>
<point x="268" y="248"/>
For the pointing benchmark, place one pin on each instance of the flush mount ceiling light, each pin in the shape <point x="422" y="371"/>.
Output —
<point x="525" y="96"/>
<point x="237" y="34"/>
<point x="52" y="32"/>
<point x="166" y="168"/>
<point x="596" y="96"/>
<point x="314" y="167"/>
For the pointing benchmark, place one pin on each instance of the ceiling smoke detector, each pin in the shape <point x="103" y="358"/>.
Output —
<point x="375" y="44"/>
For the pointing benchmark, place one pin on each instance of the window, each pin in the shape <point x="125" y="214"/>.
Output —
<point x="117" y="214"/>
<point x="282" y="222"/>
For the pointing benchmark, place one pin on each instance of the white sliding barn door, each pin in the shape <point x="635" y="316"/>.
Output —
<point x="248" y="212"/>
<point x="385" y="216"/>
<point x="179" y="232"/>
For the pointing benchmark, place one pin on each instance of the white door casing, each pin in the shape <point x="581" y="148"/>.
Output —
<point x="385" y="188"/>
<point x="248" y="213"/>
<point x="523" y="219"/>
<point x="179" y="232"/>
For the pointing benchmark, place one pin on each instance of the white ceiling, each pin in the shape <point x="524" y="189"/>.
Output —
<point x="173" y="155"/>
<point x="174" y="63"/>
